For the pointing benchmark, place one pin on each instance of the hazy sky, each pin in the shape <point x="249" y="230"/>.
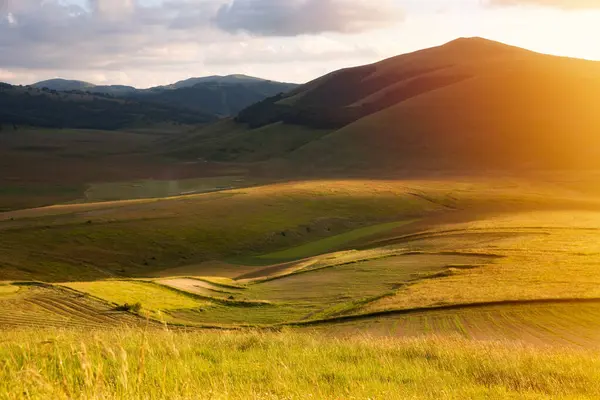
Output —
<point x="151" y="42"/>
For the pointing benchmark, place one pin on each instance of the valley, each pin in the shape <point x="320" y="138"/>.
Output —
<point x="438" y="211"/>
<point x="477" y="260"/>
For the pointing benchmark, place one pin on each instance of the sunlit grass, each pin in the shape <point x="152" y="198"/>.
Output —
<point x="134" y="364"/>
<point x="331" y="243"/>
<point x="547" y="255"/>
<point x="152" y="297"/>
<point x="6" y="290"/>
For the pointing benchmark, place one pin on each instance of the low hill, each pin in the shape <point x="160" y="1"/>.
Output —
<point x="222" y="96"/>
<point x="217" y="95"/>
<point x="63" y="85"/>
<point x="76" y="109"/>
<point x="227" y="79"/>
<point x="471" y="103"/>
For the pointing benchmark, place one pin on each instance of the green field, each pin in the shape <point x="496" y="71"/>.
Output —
<point x="148" y="189"/>
<point x="45" y="307"/>
<point x="164" y="364"/>
<point x="133" y="238"/>
<point x="153" y="298"/>
<point x="331" y="243"/>
<point x="296" y="254"/>
<point x="43" y="167"/>
<point x="367" y="274"/>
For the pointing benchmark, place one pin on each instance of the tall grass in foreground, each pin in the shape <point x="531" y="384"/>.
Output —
<point x="133" y="364"/>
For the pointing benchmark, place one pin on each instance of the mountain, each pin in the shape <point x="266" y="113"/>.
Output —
<point x="228" y="79"/>
<point x="218" y="95"/>
<point x="63" y="85"/>
<point x="471" y="104"/>
<point x="26" y="105"/>
<point x="222" y="96"/>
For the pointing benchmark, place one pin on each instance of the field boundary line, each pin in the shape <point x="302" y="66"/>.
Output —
<point x="418" y="310"/>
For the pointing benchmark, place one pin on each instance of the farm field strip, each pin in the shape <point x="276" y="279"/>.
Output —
<point x="49" y="306"/>
<point x="152" y="297"/>
<point x="199" y="287"/>
<point x="561" y="323"/>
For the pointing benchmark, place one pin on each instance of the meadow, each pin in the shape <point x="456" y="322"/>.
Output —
<point x="142" y="364"/>
<point x="419" y="288"/>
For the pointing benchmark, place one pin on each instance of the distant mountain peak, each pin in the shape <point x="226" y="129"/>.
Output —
<point x="63" y="84"/>
<point x="223" y="79"/>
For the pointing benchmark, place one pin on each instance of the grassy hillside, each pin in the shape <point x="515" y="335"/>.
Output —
<point x="432" y="256"/>
<point x="520" y="117"/>
<point x="470" y="104"/>
<point x="132" y="238"/>
<point x="227" y="141"/>
<point x="52" y="166"/>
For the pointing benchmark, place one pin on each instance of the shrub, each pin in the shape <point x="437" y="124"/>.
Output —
<point x="133" y="308"/>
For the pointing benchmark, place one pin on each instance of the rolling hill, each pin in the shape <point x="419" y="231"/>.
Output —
<point x="218" y="95"/>
<point x="222" y="96"/>
<point x="26" y="105"/>
<point x="470" y="104"/>
<point x="227" y="79"/>
<point x="64" y="85"/>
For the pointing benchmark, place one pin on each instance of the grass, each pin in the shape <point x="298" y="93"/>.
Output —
<point x="136" y="238"/>
<point x="342" y="284"/>
<point x="7" y="290"/>
<point x="145" y="189"/>
<point x="229" y="141"/>
<point x="464" y="250"/>
<point x="46" y="306"/>
<point x="331" y="243"/>
<point x="136" y="364"/>
<point x="152" y="297"/>
<point x="546" y="255"/>
<point x="32" y="158"/>
<point x="570" y="324"/>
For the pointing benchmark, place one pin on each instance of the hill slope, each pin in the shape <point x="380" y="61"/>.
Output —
<point x="50" y="108"/>
<point x="228" y="79"/>
<point x="63" y="85"/>
<point x="223" y="96"/>
<point x="218" y="95"/>
<point x="471" y="103"/>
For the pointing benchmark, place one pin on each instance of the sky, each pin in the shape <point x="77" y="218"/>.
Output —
<point x="146" y="43"/>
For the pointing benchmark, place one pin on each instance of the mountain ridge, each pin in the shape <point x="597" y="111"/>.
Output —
<point x="64" y="84"/>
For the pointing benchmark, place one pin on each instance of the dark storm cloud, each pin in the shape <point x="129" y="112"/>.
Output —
<point x="564" y="4"/>
<point x="296" y="17"/>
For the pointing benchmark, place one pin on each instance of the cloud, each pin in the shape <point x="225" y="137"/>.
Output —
<point x="103" y="33"/>
<point x="151" y="41"/>
<point x="296" y="17"/>
<point x="564" y="4"/>
<point x="305" y="49"/>
<point x="113" y="9"/>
